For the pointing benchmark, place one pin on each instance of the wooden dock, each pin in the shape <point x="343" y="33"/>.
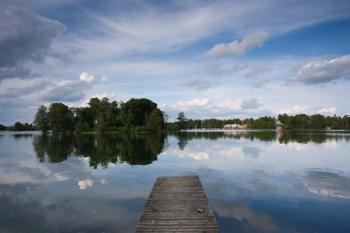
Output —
<point x="177" y="204"/>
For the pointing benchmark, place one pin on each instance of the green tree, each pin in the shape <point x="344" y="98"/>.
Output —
<point x="285" y="120"/>
<point x="84" y="119"/>
<point x="60" y="118"/>
<point x="317" y="121"/>
<point x="300" y="121"/>
<point x="105" y="113"/>
<point x="135" y="112"/>
<point x="155" y="121"/>
<point x="41" y="121"/>
<point x="346" y="120"/>
<point x="18" y="126"/>
<point x="3" y="127"/>
<point x="181" y="120"/>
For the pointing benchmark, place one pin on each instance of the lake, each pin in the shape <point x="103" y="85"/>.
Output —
<point x="256" y="181"/>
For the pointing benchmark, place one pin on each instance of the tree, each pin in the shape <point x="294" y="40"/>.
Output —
<point x="155" y="121"/>
<point x="18" y="126"/>
<point x="135" y="112"/>
<point x="285" y="120"/>
<point x="262" y="123"/>
<point x="2" y="127"/>
<point x="182" y="120"/>
<point x="300" y="121"/>
<point x="41" y="121"/>
<point x="60" y="118"/>
<point x="317" y="121"/>
<point x="84" y="119"/>
<point x="105" y="113"/>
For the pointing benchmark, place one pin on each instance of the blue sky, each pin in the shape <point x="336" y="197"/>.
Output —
<point x="218" y="59"/>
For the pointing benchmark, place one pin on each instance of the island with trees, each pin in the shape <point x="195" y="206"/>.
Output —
<point x="101" y="115"/>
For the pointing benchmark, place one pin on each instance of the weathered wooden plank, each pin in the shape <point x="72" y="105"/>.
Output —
<point x="177" y="204"/>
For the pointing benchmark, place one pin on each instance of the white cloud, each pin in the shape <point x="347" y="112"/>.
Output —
<point x="238" y="47"/>
<point x="239" y="104"/>
<point x="66" y="91"/>
<point x="86" y="77"/>
<point x="327" y="111"/>
<point x="84" y="184"/>
<point x="232" y="104"/>
<point x="215" y="108"/>
<point x="191" y="104"/>
<point x="296" y="109"/>
<point x="39" y="90"/>
<point x="104" y="78"/>
<point x="15" y="87"/>
<point x="324" y="71"/>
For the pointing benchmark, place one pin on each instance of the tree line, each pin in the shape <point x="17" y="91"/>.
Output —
<point x="299" y="121"/>
<point x="317" y="121"/>
<point x="18" y="126"/>
<point x="101" y="115"/>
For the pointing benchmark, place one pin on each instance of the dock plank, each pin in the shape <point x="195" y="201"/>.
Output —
<point x="177" y="204"/>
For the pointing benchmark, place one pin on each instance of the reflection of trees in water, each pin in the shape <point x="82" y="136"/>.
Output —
<point x="100" y="149"/>
<point x="266" y="136"/>
<point x="56" y="148"/>
<point x="22" y="135"/>
<point x="318" y="137"/>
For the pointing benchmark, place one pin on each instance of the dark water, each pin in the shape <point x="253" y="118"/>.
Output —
<point x="255" y="181"/>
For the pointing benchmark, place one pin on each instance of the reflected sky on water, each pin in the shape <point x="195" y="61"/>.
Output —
<point x="255" y="181"/>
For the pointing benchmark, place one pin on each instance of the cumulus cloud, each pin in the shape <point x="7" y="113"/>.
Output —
<point x="298" y="109"/>
<point x="67" y="91"/>
<point x="24" y="37"/>
<point x="324" y="71"/>
<point x="207" y="108"/>
<point x="230" y="104"/>
<point x="239" y="104"/>
<point x="20" y="98"/>
<point x="190" y="104"/>
<point x="237" y="47"/>
<point x="40" y="89"/>
<point x="86" y="77"/>
<point x="327" y="111"/>
<point x="16" y="87"/>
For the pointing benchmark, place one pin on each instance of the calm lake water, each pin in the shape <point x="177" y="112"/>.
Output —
<point x="255" y="181"/>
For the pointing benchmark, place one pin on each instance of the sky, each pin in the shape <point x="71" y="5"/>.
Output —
<point x="209" y="59"/>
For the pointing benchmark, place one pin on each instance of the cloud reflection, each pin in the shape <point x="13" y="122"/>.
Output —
<point x="327" y="183"/>
<point x="84" y="184"/>
<point x="242" y="212"/>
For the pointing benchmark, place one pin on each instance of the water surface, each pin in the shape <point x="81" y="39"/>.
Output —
<point x="256" y="181"/>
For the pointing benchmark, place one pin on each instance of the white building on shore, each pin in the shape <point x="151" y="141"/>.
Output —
<point x="235" y="126"/>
